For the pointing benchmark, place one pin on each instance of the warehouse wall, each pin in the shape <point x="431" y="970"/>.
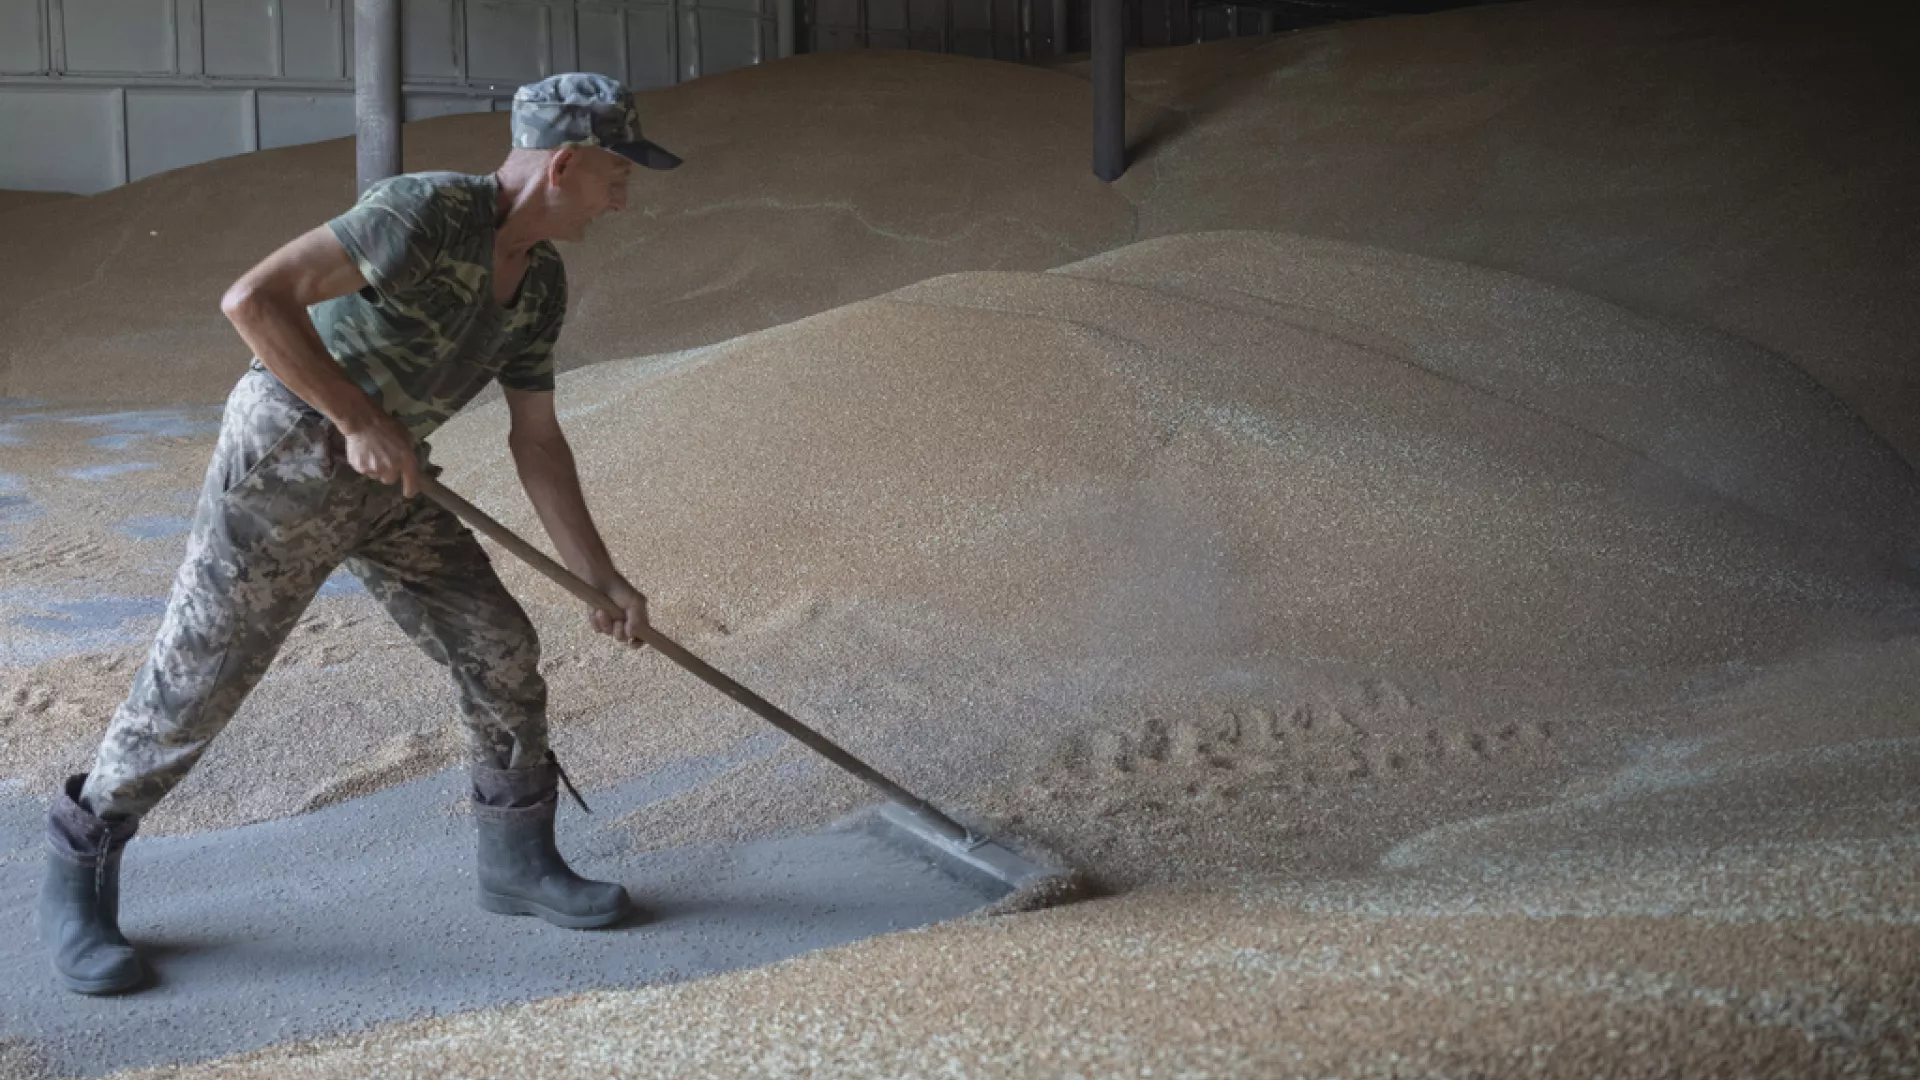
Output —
<point x="1047" y="30"/>
<point x="94" y="93"/>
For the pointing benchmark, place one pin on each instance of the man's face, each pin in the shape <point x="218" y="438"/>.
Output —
<point x="586" y="182"/>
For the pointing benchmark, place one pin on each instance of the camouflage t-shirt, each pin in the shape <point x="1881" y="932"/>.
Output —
<point x="426" y="334"/>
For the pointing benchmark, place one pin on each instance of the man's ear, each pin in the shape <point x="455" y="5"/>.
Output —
<point x="562" y="162"/>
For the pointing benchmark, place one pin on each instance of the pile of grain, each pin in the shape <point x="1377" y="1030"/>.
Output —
<point x="19" y="200"/>
<point x="1231" y="550"/>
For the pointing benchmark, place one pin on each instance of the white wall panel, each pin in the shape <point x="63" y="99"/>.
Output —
<point x="430" y="39"/>
<point x="288" y="119"/>
<point x="927" y="24"/>
<point x="602" y="42"/>
<point x="887" y="15"/>
<point x="686" y="58"/>
<point x="507" y="42"/>
<point x="972" y="14"/>
<point x="650" y="47"/>
<point x="726" y="39"/>
<point x="61" y="140"/>
<point x="22" y="36"/>
<point x="835" y="39"/>
<point x="170" y="128"/>
<point x="190" y="59"/>
<point x="118" y="36"/>
<point x="836" y="13"/>
<point x="974" y="29"/>
<point x="313" y="31"/>
<point x="926" y="15"/>
<point x="428" y="106"/>
<point x="157" y="84"/>
<point x="239" y="37"/>
<point x="560" y="54"/>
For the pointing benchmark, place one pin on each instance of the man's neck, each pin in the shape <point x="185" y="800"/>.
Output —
<point x="516" y="221"/>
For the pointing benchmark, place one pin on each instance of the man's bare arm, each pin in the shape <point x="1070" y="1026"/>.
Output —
<point x="268" y="306"/>
<point x="547" y="472"/>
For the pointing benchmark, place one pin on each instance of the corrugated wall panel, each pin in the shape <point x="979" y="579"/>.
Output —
<point x="835" y="13"/>
<point x="170" y="128"/>
<point x="560" y="52"/>
<point x="430" y="39"/>
<point x="834" y="24"/>
<point x="887" y="15"/>
<point x="1026" y="29"/>
<point x="62" y="140"/>
<point x="428" y="106"/>
<point x="125" y="37"/>
<point x="727" y="39"/>
<point x="288" y="119"/>
<point x="834" y="39"/>
<point x="602" y="42"/>
<point x="650" y="47"/>
<point x="22" y="37"/>
<point x="190" y="58"/>
<point x="314" y="32"/>
<point x="507" y="42"/>
<point x="927" y="24"/>
<point x="1004" y="16"/>
<point x="209" y="77"/>
<point x="239" y="37"/>
<point x="973" y="29"/>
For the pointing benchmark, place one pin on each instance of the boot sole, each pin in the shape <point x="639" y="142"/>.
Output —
<point x="101" y="987"/>
<point x="513" y="905"/>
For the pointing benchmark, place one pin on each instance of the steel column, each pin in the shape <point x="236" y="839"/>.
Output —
<point x="1109" y="91"/>
<point x="376" y="89"/>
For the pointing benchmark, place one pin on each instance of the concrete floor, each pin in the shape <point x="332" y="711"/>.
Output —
<point x="363" y="912"/>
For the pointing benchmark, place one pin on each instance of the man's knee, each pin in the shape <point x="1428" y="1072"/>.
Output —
<point x="505" y="644"/>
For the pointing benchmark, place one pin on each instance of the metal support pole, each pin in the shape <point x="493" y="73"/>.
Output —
<point x="376" y="89"/>
<point x="1109" y="91"/>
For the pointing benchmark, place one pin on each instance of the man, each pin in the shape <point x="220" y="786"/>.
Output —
<point x="368" y="333"/>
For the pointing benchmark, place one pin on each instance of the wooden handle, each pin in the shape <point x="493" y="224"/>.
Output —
<point x="533" y="556"/>
<point x="706" y="672"/>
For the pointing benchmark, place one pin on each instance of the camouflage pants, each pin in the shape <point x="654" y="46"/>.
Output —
<point x="279" y="511"/>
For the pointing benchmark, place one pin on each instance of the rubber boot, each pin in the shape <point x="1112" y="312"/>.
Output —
<point x="80" y="898"/>
<point x="521" y="871"/>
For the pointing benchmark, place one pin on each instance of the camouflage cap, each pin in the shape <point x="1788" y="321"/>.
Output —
<point x="579" y="109"/>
